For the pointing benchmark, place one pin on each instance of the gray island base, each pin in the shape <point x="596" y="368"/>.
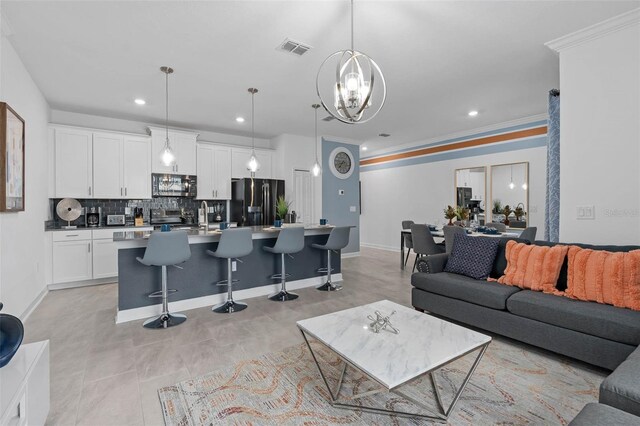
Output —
<point x="196" y="281"/>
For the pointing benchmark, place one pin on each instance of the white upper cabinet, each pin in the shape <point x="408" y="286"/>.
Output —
<point x="240" y="157"/>
<point x="107" y="165"/>
<point x="184" y="148"/>
<point x="136" y="169"/>
<point x="214" y="172"/>
<point x="73" y="163"/>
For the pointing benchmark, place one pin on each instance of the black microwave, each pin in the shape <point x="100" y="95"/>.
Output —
<point x="165" y="185"/>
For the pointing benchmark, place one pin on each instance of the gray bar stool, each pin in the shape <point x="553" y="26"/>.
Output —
<point x="290" y="240"/>
<point x="234" y="243"/>
<point x="164" y="249"/>
<point x="338" y="239"/>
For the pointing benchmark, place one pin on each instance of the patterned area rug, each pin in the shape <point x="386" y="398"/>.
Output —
<point x="512" y="385"/>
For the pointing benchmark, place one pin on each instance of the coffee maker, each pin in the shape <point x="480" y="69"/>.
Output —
<point x="93" y="216"/>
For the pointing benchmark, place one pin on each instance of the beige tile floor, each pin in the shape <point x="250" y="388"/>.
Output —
<point x="108" y="374"/>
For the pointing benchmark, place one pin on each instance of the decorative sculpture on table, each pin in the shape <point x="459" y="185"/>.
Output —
<point x="381" y="322"/>
<point x="11" y="334"/>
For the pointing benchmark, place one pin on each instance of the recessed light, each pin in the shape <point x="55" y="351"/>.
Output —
<point x="364" y="148"/>
<point x="140" y="101"/>
<point x="473" y="113"/>
<point x="240" y="119"/>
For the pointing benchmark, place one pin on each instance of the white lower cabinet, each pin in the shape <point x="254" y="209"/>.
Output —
<point x="72" y="261"/>
<point x="85" y="255"/>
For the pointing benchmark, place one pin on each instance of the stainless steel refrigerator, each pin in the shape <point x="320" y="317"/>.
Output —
<point x="253" y="201"/>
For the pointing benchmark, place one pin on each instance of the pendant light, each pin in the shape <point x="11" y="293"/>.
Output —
<point x="511" y="184"/>
<point x="316" y="169"/>
<point x="353" y="85"/>
<point x="167" y="156"/>
<point x="253" y="165"/>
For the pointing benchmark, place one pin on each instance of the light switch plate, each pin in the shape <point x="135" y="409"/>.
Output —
<point x="585" y="212"/>
<point x="352" y="209"/>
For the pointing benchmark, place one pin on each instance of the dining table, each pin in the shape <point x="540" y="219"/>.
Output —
<point x="439" y="233"/>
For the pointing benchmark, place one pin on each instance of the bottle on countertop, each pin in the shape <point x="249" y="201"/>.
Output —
<point x="139" y="217"/>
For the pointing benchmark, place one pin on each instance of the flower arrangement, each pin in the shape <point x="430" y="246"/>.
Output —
<point x="506" y="211"/>
<point x="462" y="213"/>
<point x="519" y="212"/>
<point x="450" y="213"/>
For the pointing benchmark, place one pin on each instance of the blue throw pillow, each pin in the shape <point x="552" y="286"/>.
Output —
<point x="472" y="256"/>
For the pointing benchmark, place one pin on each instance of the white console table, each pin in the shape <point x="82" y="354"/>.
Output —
<point x="24" y="386"/>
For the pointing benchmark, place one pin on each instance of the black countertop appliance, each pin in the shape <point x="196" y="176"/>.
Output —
<point x="253" y="201"/>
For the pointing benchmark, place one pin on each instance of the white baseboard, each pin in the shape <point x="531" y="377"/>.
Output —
<point x="199" y="302"/>
<point x="34" y="304"/>
<point x="348" y="255"/>
<point x="88" y="283"/>
<point x="380" y="247"/>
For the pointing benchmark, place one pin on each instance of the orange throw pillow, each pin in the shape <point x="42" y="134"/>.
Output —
<point x="604" y="277"/>
<point x="533" y="267"/>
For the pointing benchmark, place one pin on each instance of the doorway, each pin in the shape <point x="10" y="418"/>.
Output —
<point x="303" y="195"/>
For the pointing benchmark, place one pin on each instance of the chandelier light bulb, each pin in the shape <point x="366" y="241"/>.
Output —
<point x="168" y="157"/>
<point x="316" y="169"/>
<point x="512" y="185"/>
<point x="253" y="165"/>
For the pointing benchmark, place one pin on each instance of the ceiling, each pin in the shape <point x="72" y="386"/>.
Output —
<point x="440" y="59"/>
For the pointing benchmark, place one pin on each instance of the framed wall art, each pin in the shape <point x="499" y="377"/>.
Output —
<point x="12" y="160"/>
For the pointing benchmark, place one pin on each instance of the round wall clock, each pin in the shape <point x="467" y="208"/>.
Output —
<point x="341" y="163"/>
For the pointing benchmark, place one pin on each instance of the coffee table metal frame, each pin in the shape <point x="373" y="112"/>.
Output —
<point x="443" y="416"/>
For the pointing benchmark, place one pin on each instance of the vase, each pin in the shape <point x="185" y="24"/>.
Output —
<point x="450" y="223"/>
<point x="506" y="221"/>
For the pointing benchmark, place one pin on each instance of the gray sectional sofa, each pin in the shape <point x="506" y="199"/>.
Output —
<point x="598" y="334"/>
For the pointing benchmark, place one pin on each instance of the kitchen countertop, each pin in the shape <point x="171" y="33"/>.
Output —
<point x="89" y="228"/>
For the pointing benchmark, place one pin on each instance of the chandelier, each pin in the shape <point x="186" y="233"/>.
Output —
<point x="357" y="80"/>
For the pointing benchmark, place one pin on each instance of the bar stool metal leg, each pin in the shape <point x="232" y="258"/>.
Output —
<point x="329" y="286"/>
<point x="230" y="305"/>
<point x="283" y="295"/>
<point x="165" y="319"/>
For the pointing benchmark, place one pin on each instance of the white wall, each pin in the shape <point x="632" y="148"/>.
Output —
<point x="116" y="124"/>
<point x="600" y="136"/>
<point x="297" y="152"/>
<point x="22" y="237"/>
<point x="421" y="192"/>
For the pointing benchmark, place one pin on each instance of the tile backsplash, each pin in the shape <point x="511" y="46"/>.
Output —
<point x="118" y="207"/>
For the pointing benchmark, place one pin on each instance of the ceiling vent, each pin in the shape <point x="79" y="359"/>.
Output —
<point x="328" y="118"/>
<point x="384" y="135"/>
<point x="294" y="47"/>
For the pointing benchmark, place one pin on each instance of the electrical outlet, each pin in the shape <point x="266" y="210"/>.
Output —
<point x="234" y="266"/>
<point x="585" y="212"/>
<point x="352" y="209"/>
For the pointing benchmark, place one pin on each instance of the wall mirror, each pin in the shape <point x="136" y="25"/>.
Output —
<point x="510" y="187"/>
<point x="471" y="191"/>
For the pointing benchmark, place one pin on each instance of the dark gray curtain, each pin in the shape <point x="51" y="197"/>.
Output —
<point x="552" y="206"/>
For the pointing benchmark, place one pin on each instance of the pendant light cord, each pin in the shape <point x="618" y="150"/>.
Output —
<point x="352" y="50"/>
<point x="316" y="131"/>
<point x="166" y="117"/>
<point x="253" y="132"/>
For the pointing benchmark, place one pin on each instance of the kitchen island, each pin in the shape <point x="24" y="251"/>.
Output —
<point x="196" y="282"/>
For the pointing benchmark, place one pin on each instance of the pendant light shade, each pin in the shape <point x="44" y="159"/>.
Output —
<point x="167" y="157"/>
<point x="355" y="85"/>
<point x="253" y="165"/>
<point x="316" y="169"/>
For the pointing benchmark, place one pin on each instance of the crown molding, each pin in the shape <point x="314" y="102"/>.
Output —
<point x="595" y="31"/>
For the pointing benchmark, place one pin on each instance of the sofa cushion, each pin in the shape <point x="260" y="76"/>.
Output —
<point x="533" y="267"/>
<point x="622" y="388"/>
<point x="604" y="277"/>
<point x="562" y="279"/>
<point x="594" y="414"/>
<point x="500" y="263"/>
<point x="483" y="293"/>
<point x="472" y="256"/>
<point x="608" y="322"/>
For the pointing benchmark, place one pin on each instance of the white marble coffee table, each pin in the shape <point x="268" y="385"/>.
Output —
<point x="423" y="345"/>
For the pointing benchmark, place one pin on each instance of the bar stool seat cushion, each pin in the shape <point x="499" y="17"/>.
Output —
<point x="290" y="240"/>
<point x="166" y="248"/>
<point x="234" y="243"/>
<point x="338" y="239"/>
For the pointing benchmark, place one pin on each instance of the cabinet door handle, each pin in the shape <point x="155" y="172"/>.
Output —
<point x="72" y="235"/>
<point x="125" y="191"/>
<point x="88" y="247"/>
<point x="213" y="193"/>
<point x="121" y="192"/>
<point x="89" y="190"/>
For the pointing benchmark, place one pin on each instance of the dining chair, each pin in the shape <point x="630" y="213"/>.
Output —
<point x="450" y="234"/>
<point x="501" y="227"/>
<point x="408" y="242"/>
<point x="423" y="243"/>
<point x="529" y="234"/>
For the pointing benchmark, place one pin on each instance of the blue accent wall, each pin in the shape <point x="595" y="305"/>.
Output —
<point x="336" y="207"/>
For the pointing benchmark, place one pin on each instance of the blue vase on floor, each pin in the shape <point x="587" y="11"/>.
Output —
<point x="11" y="334"/>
